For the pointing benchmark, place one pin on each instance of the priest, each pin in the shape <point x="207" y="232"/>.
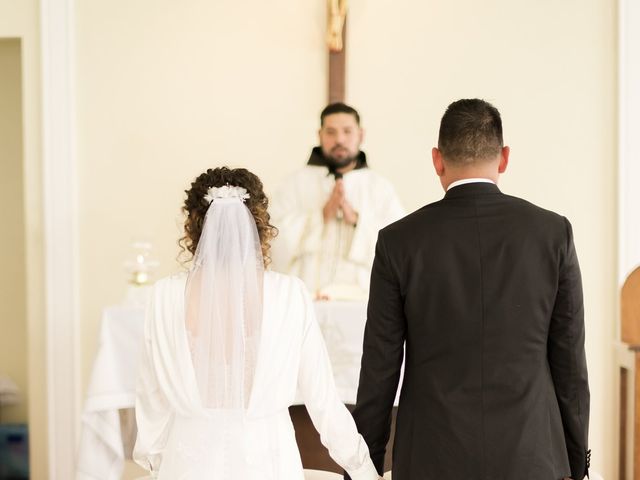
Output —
<point x="329" y="212"/>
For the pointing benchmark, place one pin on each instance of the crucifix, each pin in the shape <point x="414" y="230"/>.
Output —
<point x="336" y="36"/>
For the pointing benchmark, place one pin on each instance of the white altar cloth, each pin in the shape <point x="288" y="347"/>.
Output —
<point x="342" y="326"/>
<point x="112" y="387"/>
<point x="113" y="378"/>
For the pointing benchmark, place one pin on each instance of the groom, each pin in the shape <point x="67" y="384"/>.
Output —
<point x="483" y="290"/>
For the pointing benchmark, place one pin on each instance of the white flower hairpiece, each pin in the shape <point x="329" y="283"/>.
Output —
<point x="226" y="191"/>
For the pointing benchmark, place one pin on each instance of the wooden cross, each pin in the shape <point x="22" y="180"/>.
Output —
<point x="336" y="41"/>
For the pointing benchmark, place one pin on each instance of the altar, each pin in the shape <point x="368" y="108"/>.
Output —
<point x="107" y="435"/>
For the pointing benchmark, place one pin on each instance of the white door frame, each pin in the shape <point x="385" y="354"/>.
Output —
<point x="628" y="137"/>
<point x="57" y="29"/>
<point x="628" y="170"/>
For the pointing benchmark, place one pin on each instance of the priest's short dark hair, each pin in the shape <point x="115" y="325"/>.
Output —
<point x="338" y="107"/>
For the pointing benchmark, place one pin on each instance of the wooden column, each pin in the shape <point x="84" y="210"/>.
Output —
<point x="630" y="333"/>
<point x="636" y="421"/>
<point x="622" y="439"/>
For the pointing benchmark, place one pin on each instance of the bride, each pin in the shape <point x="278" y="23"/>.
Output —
<point x="226" y="346"/>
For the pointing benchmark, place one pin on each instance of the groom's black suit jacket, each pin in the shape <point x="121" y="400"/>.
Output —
<point x="484" y="290"/>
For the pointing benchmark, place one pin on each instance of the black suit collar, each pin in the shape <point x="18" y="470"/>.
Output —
<point x="470" y="189"/>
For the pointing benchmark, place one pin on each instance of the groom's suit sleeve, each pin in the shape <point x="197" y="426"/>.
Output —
<point x="567" y="362"/>
<point x="382" y="355"/>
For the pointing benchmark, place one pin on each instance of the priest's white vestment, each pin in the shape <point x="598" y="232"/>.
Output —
<point x="333" y="258"/>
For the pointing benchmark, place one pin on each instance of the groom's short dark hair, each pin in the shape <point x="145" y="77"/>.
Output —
<point x="470" y="130"/>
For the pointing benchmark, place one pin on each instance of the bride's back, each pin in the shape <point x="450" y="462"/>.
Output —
<point x="285" y="319"/>
<point x="252" y="435"/>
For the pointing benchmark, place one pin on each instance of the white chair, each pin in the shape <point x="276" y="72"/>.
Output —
<point x="387" y="475"/>
<point x="321" y="475"/>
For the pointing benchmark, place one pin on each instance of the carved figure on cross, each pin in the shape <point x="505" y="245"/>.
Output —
<point x="337" y="16"/>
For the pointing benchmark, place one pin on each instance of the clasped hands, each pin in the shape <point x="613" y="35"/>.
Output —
<point x="338" y="202"/>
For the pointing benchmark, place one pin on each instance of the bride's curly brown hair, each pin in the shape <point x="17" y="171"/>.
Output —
<point x="195" y="206"/>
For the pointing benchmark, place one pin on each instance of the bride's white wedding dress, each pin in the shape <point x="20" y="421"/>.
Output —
<point x="179" y="439"/>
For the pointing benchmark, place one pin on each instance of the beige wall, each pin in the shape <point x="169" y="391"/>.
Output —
<point x="21" y="20"/>
<point x="13" y="294"/>
<point x="166" y="89"/>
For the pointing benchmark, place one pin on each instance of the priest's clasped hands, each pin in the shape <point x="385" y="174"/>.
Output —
<point x="339" y="205"/>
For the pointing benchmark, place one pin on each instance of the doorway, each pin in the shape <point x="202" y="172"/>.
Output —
<point x="13" y="313"/>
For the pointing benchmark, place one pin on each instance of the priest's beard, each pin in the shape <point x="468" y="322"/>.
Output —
<point x="337" y="163"/>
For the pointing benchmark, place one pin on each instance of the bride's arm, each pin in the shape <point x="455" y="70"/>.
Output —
<point x="329" y="415"/>
<point x="153" y="415"/>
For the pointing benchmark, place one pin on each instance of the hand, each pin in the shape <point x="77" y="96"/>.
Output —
<point x="350" y="215"/>
<point x="330" y="209"/>
<point x="321" y="297"/>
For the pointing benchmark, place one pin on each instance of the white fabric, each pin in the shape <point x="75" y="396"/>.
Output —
<point x="111" y="387"/>
<point x="181" y="440"/>
<point x="321" y="475"/>
<point x="114" y="373"/>
<point x="465" y="181"/>
<point x="342" y="325"/>
<point x="224" y="303"/>
<point x="335" y="258"/>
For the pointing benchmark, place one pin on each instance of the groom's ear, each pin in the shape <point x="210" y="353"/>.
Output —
<point x="504" y="159"/>
<point x="438" y="162"/>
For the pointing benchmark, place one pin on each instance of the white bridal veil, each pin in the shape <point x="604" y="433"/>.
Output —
<point x="223" y="301"/>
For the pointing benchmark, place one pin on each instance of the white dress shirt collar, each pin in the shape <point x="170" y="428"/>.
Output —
<point x="464" y="181"/>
